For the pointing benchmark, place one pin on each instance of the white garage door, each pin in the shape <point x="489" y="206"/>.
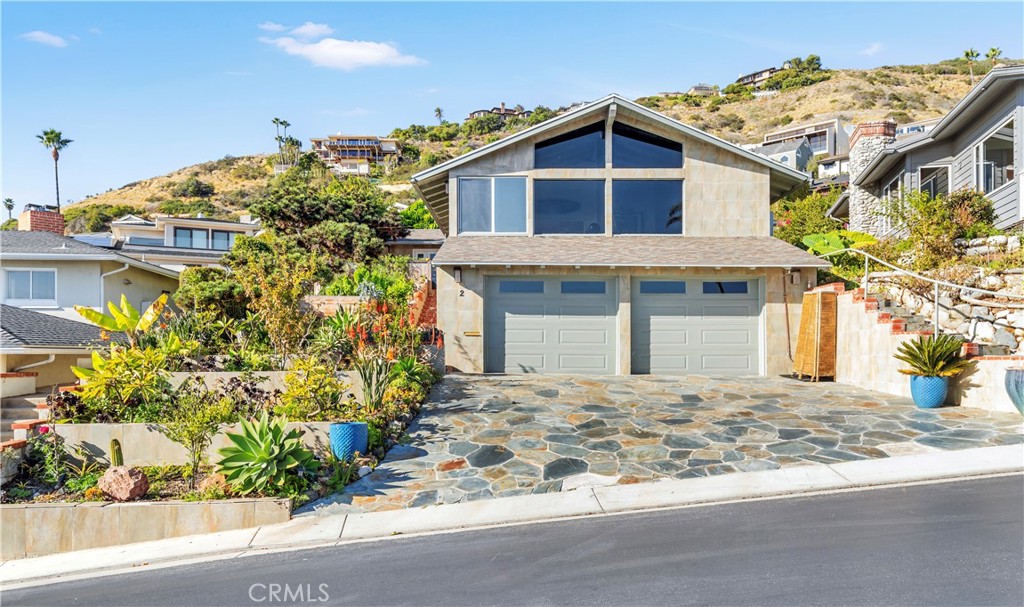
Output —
<point x="550" y="325"/>
<point x="695" y="326"/>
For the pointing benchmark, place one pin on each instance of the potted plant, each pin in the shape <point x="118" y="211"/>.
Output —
<point x="1014" y="383"/>
<point x="932" y="361"/>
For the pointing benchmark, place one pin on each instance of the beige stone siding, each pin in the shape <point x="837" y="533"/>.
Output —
<point x="724" y="194"/>
<point x="461" y="309"/>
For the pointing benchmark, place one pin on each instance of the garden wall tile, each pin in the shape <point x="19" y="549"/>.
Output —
<point x="140" y="522"/>
<point x="50" y="528"/>
<point x="12" y="539"/>
<point x="94" y="526"/>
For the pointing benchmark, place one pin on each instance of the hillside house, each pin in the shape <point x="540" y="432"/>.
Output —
<point x="356" y="154"/>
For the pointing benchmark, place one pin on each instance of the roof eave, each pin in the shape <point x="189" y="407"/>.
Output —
<point x="817" y="264"/>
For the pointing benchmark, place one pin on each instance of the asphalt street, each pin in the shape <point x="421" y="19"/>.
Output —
<point x="957" y="543"/>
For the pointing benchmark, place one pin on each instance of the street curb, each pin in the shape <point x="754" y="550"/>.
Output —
<point x="308" y="531"/>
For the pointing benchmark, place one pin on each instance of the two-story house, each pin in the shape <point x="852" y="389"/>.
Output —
<point x="977" y="146"/>
<point x="177" y="242"/>
<point x="614" y="240"/>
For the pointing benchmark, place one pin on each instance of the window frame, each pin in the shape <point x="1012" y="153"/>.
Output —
<point x="491" y="178"/>
<point x="921" y="181"/>
<point x="605" y="202"/>
<point x="31" y="303"/>
<point x="887" y="193"/>
<point x="190" y="230"/>
<point x="979" y="156"/>
<point x="682" y="207"/>
<point x="231" y="239"/>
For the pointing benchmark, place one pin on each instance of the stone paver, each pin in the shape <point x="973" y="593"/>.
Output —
<point x="481" y="437"/>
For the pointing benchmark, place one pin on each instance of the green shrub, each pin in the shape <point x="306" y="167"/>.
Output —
<point x="130" y="386"/>
<point x="389" y="275"/>
<point x="202" y="288"/>
<point x="803" y="215"/>
<point x="264" y="458"/>
<point x="417" y="216"/>
<point x="193" y="420"/>
<point x="313" y="392"/>
<point x="192" y="187"/>
<point x="180" y="207"/>
<point x="932" y="224"/>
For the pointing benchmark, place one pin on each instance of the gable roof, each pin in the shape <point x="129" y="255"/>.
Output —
<point x="419" y="236"/>
<point x="432" y="184"/>
<point x="790" y="145"/>
<point x="21" y="328"/>
<point x="968" y="108"/>
<point x="16" y="245"/>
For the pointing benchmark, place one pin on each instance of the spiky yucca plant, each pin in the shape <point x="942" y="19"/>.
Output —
<point x="933" y="356"/>
<point x="263" y="456"/>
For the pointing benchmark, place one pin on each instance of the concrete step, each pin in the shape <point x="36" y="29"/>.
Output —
<point x="26" y="400"/>
<point x="16" y="413"/>
<point x="993" y="350"/>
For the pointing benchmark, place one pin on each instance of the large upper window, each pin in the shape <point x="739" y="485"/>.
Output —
<point x="579" y="149"/>
<point x="636" y="149"/>
<point x="994" y="160"/>
<point x="222" y="240"/>
<point x="31" y="285"/>
<point x="647" y="206"/>
<point x="492" y="204"/>
<point x="568" y="206"/>
<point x="191" y="238"/>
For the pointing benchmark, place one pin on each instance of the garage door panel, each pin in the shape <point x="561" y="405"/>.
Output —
<point x="695" y="332"/>
<point x="713" y="337"/>
<point x="552" y="332"/>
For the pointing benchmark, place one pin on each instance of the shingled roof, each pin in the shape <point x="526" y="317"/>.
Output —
<point x="626" y="251"/>
<point x="21" y="328"/>
<point x="18" y="245"/>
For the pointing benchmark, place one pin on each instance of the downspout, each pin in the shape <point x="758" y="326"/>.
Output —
<point x="785" y="305"/>
<point x="48" y="360"/>
<point x="102" y="282"/>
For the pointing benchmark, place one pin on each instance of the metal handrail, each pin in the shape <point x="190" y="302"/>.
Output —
<point x="868" y="257"/>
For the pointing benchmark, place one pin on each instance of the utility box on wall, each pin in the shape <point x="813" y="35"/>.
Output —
<point x="816" y="343"/>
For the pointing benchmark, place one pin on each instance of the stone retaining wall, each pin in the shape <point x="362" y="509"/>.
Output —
<point x="144" y="445"/>
<point x="38" y="529"/>
<point x="866" y="340"/>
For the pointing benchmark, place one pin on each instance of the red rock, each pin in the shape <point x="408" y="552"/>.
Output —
<point x="122" y="484"/>
<point x="452" y="464"/>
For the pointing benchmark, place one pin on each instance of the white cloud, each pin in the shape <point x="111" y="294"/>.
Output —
<point x="95" y="30"/>
<point x="44" y="38"/>
<point x="270" y="26"/>
<point x="310" y="30"/>
<point x="872" y="49"/>
<point x="344" y="55"/>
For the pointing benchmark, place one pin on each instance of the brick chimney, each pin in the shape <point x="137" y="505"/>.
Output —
<point x="502" y="107"/>
<point x="38" y="219"/>
<point x="867" y="140"/>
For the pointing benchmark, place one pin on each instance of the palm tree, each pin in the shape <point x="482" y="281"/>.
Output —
<point x="993" y="54"/>
<point x="9" y="205"/>
<point x="439" y="114"/>
<point x="54" y="140"/>
<point x="284" y="135"/>
<point x="277" y="133"/>
<point x="971" y="56"/>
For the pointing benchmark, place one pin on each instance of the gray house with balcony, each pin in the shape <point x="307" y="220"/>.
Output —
<point x="615" y="240"/>
<point x="976" y="146"/>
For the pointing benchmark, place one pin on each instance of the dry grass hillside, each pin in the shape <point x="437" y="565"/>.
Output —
<point x="851" y="95"/>
<point x="234" y="180"/>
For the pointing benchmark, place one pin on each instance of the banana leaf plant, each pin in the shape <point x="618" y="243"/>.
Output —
<point x="125" y="319"/>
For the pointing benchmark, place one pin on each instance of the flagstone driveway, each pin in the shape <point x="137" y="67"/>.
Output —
<point x="481" y="437"/>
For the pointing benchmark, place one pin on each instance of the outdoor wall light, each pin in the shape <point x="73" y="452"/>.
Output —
<point x="457" y="272"/>
<point x="127" y="282"/>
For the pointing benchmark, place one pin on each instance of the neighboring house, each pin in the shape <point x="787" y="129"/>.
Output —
<point x="794" y="153"/>
<point x="51" y="273"/>
<point x="418" y="244"/>
<point x="756" y="79"/>
<point x="833" y="166"/>
<point x="614" y="240"/>
<point x="37" y="349"/>
<point x="702" y="90"/>
<point x="501" y="111"/>
<point x="976" y="146"/>
<point x="355" y="154"/>
<point x="175" y="242"/>
<point x="915" y="128"/>
<point x="827" y="137"/>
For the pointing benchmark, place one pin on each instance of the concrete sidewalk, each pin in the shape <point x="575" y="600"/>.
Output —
<point x="310" y="531"/>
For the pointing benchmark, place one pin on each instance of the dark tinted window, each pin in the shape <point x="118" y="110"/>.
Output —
<point x="731" y="288"/>
<point x="475" y="205"/>
<point x="647" y="207"/>
<point x="568" y="206"/>
<point x="636" y="149"/>
<point x="589" y="287"/>
<point x="662" y="287"/>
<point x="579" y="149"/>
<point x="521" y="286"/>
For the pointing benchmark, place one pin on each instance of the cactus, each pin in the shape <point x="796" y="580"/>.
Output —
<point x="116" y="458"/>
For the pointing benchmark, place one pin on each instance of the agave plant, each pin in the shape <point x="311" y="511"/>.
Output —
<point x="264" y="456"/>
<point x="408" y="369"/>
<point x="125" y="318"/>
<point x="937" y="356"/>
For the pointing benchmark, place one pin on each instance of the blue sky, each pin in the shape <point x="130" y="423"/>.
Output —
<point x="146" y="88"/>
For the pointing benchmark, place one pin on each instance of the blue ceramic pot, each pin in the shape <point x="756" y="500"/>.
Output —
<point x="1015" y="387"/>
<point x="928" y="392"/>
<point x="348" y="438"/>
